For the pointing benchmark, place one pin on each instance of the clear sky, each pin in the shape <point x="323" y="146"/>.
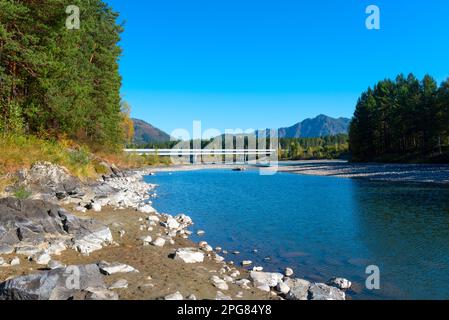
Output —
<point x="270" y="63"/>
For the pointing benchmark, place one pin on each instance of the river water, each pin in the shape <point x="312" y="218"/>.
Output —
<point x="321" y="226"/>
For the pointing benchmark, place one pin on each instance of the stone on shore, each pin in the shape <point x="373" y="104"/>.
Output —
<point x="52" y="265"/>
<point x="340" y="283"/>
<point x="52" y="285"/>
<point x="222" y="297"/>
<point x="289" y="272"/>
<point x="15" y="262"/>
<point x="177" y="296"/>
<point x="321" y="291"/>
<point x="113" y="268"/>
<point x="159" y="242"/>
<point x="265" y="279"/>
<point x="42" y="258"/>
<point x="146" y="209"/>
<point x="299" y="289"/>
<point x="282" y="288"/>
<point x="189" y="255"/>
<point x="219" y="283"/>
<point x="119" y="284"/>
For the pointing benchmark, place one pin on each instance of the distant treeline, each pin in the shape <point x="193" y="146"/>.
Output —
<point x="330" y="147"/>
<point x="402" y="120"/>
<point x="58" y="82"/>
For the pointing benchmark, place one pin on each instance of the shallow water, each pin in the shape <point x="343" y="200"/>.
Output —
<point x="321" y="226"/>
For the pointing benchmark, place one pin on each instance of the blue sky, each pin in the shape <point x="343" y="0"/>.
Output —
<point x="270" y="63"/>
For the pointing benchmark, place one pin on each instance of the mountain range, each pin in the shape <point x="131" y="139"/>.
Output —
<point x="320" y="126"/>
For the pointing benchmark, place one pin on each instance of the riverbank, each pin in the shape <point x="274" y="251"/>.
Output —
<point x="416" y="173"/>
<point x="121" y="246"/>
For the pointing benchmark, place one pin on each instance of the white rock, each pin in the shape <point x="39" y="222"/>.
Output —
<point x="235" y="273"/>
<point x="172" y="223"/>
<point x="244" y="283"/>
<point x="3" y="262"/>
<point x="146" y="209"/>
<point x="114" y="268"/>
<point x="201" y="232"/>
<point x="283" y="288"/>
<point x="247" y="263"/>
<point x="96" y="207"/>
<point x="93" y="241"/>
<point x="15" y="262"/>
<point x="119" y="284"/>
<point x="340" y="283"/>
<point x="266" y="278"/>
<point x="159" y="242"/>
<point x="192" y="297"/>
<point x="219" y="283"/>
<point x="56" y="248"/>
<point x="263" y="287"/>
<point x="258" y="269"/>
<point x="81" y="209"/>
<point x="221" y="296"/>
<point x="219" y="258"/>
<point x="189" y="255"/>
<point x="28" y="250"/>
<point x="55" y="265"/>
<point x="147" y="240"/>
<point x="153" y="218"/>
<point x="289" y="272"/>
<point x="42" y="259"/>
<point x="177" y="296"/>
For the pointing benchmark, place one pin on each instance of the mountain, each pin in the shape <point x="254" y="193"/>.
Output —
<point x="318" y="127"/>
<point x="145" y="133"/>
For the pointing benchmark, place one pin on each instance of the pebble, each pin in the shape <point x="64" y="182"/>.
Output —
<point x="159" y="242"/>
<point x="177" y="296"/>
<point x="247" y="263"/>
<point x="289" y="272"/>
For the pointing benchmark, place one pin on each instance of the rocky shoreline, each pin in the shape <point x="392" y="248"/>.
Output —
<point x="104" y="241"/>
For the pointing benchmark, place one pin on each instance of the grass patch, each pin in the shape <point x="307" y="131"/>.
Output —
<point x="21" y="193"/>
<point x="18" y="152"/>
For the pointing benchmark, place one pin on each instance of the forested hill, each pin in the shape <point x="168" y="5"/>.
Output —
<point x="320" y="126"/>
<point x="145" y="133"/>
<point x="56" y="82"/>
<point x="403" y="120"/>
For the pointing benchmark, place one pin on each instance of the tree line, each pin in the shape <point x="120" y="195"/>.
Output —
<point x="405" y="119"/>
<point x="328" y="147"/>
<point x="56" y="82"/>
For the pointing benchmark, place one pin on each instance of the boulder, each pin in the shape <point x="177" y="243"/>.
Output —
<point x="189" y="255"/>
<point x="45" y="178"/>
<point x="299" y="289"/>
<point x="340" y="283"/>
<point x="31" y="226"/>
<point x="265" y="278"/>
<point x="321" y="291"/>
<point x="59" y="284"/>
<point x="283" y="288"/>
<point x="289" y="272"/>
<point x="113" y="268"/>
